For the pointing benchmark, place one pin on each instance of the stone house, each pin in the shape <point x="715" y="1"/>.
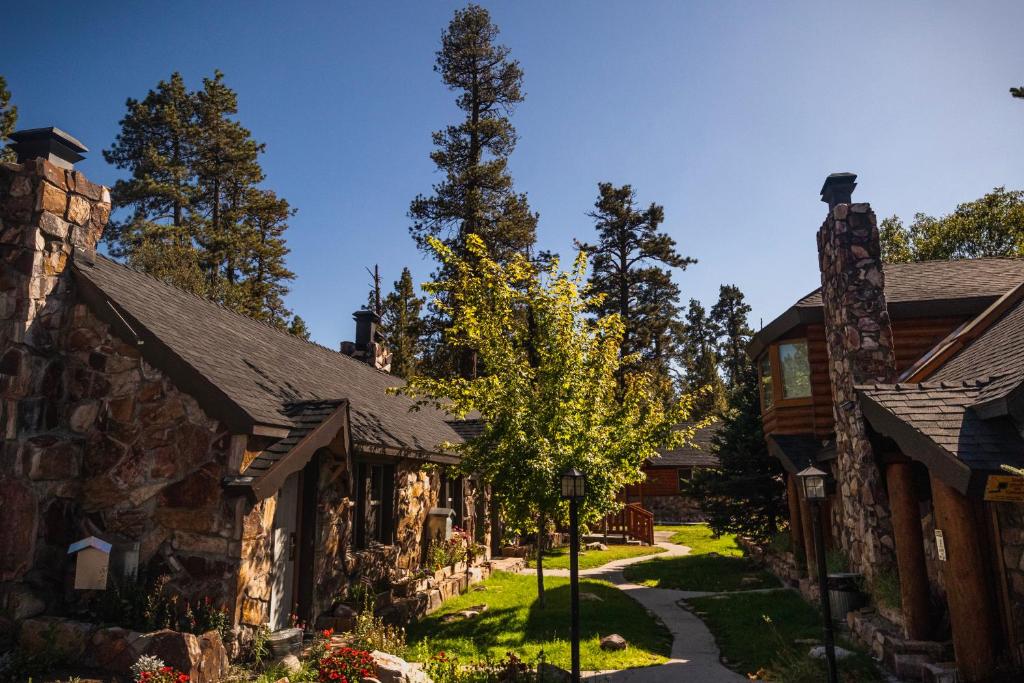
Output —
<point x="904" y="382"/>
<point x="663" y="490"/>
<point x="249" y="465"/>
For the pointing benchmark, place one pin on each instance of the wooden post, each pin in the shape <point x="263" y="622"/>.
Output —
<point x="909" y="541"/>
<point x="807" y="522"/>
<point x="970" y="605"/>
<point x="796" y="529"/>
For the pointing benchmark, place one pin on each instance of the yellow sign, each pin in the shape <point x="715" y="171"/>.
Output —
<point x="1004" y="488"/>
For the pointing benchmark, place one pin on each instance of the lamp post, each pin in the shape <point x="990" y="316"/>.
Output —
<point x="813" y="481"/>
<point x="573" y="489"/>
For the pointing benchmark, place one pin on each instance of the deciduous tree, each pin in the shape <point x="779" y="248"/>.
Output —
<point x="551" y="398"/>
<point x="476" y="195"/>
<point x="990" y="226"/>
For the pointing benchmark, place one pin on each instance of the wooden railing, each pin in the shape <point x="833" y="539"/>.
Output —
<point x="632" y="521"/>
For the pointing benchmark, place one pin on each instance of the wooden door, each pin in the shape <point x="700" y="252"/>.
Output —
<point x="285" y="540"/>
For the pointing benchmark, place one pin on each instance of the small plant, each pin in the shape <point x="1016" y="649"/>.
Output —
<point x="165" y="674"/>
<point x="346" y="665"/>
<point x="371" y="633"/>
<point x="837" y="561"/>
<point x="146" y="663"/>
<point x="458" y="548"/>
<point x="884" y="587"/>
<point x="260" y="649"/>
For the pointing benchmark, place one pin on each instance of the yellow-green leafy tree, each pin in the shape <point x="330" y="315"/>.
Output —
<point x="550" y="398"/>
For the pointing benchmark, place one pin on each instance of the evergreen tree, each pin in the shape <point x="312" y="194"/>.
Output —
<point x="729" y="317"/>
<point x="8" y="119"/>
<point x="626" y="267"/>
<point x="402" y="327"/>
<point x="193" y="211"/>
<point x="746" y="494"/>
<point x="699" y="356"/>
<point x="476" y="196"/>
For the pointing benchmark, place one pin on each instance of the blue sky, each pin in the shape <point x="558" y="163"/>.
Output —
<point x="730" y="114"/>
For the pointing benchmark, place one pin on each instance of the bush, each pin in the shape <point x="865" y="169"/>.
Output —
<point x="346" y="665"/>
<point x="458" y="548"/>
<point x="143" y="605"/>
<point x="445" y="668"/>
<point x="885" y="588"/>
<point x="165" y="674"/>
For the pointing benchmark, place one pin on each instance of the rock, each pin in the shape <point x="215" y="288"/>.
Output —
<point x="285" y="680"/>
<point x="590" y="597"/>
<point x="111" y="649"/>
<point x="53" y="635"/>
<point x="595" y="546"/>
<point x="749" y="581"/>
<point x="344" y="610"/>
<point x="549" y="673"/>
<point x="392" y="669"/>
<point x="18" y="519"/>
<point x="291" y="664"/>
<point x="20" y="603"/>
<point x="203" y="658"/>
<point x="818" y="652"/>
<point x="614" y="642"/>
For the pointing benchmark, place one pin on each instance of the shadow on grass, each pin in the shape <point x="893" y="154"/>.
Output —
<point x="713" y="573"/>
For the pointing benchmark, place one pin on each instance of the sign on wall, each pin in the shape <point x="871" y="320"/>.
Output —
<point x="1001" y="488"/>
<point x="940" y="545"/>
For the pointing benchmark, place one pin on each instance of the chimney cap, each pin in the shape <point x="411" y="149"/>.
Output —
<point x="50" y="143"/>
<point x="364" y="313"/>
<point x="838" y="188"/>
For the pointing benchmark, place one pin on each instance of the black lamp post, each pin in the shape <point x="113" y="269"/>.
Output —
<point x="573" y="489"/>
<point x="813" y="481"/>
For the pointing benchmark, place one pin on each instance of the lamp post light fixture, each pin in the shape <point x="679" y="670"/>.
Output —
<point x="574" y="485"/>
<point x="812" y="480"/>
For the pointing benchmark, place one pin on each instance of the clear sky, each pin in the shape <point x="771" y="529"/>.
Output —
<point x="730" y="114"/>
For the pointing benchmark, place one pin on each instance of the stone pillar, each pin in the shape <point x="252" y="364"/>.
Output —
<point x="796" y="529"/>
<point x="971" y="606"/>
<point x="860" y="350"/>
<point x="906" y="522"/>
<point x="45" y="212"/>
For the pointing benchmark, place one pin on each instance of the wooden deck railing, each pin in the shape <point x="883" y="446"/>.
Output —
<point x="632" y="521"/>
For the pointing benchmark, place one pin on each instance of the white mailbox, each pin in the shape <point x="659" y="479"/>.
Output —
<point x="92" y="560"/>
<point x="439" y="523"/>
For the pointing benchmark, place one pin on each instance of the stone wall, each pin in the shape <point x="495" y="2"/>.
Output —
<point x="860" y="350"/>
<point x="677" y="508"/>
<point x="1011" y="528"/>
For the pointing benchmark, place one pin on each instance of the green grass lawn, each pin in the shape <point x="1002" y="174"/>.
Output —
<point x="514" y="622"/>
<point x="559" y="557"/>
<point x="714" y="564"/>
<point x="758" y="631"/>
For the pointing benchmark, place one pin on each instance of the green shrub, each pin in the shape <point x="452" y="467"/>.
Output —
<point x="148" y="605"/>
<point x="837" y="561"/>
<point x="885" y="588"/>
<point x="445" y="668"/>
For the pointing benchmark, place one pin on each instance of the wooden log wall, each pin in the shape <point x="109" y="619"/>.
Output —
<point x="913" y="337"/>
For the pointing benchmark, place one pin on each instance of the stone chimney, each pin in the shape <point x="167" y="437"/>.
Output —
<point x="48" y="211"/>
<point x="368" y="346"/>
<point x="860" y="350"/>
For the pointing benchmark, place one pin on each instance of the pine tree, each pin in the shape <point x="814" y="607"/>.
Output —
<point x="626" y="268"/>
<point x="699" y="357"/>
<point x="476" y="196"/>
<point x="402" y="327"/>
<point x="729" y="317"/>
<point x="745" y="495"/>
<point x="194" y="212"/>
<point x="8" y="119"/>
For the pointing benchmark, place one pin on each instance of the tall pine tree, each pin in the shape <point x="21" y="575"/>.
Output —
<point x="8" y="119"/>
<point x="192" y="211"/>
<point x="630" y="266"/>
<point x="476" y="196"/>
<point x="729" y="316"/>
<point x="699" y="358"/>
<point x="402" y="327"/>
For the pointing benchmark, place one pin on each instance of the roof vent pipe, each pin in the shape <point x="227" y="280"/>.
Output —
<point x="838" y="189"/>
<point x="56" y="146"/>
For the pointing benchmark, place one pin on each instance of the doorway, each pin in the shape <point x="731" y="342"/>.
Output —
<point x="285" y="543"/>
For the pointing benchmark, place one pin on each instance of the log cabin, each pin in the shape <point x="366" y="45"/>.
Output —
<point x="903" y="381"/>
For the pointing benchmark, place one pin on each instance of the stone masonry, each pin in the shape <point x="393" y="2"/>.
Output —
<point x="860" y="350"/>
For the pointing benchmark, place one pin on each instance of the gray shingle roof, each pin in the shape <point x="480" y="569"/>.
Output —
<point x="696" y="454"/>
<point x="257" y="371"/>
<point x="935" y="422"/>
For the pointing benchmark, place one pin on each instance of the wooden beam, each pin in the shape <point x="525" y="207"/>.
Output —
<point x="909" y="541"/>
<point x="971" y="608"/>
<point x="796" y="529"/>
<point x="808" y="525"/>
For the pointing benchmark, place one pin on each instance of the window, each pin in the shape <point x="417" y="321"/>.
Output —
<point x="795" y="369"/>
<point x="767" y="385"/>
<point x="685" y="475"/>
<point x="375" y="504"/>
<point x="451" y="497"/>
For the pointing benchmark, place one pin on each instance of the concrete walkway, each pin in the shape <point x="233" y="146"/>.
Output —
<point x="694" y="657"/>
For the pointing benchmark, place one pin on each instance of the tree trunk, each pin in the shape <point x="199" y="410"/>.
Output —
<point x="541" y="524"/>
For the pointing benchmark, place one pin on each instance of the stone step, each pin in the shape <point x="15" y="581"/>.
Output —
<point x="944" y="672"/>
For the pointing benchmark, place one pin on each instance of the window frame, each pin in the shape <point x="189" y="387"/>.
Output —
<point x="782" y="380"/>
<point x="775" y="363"/>
<point x="383" y="507"/>
<point x="691" y="470"/>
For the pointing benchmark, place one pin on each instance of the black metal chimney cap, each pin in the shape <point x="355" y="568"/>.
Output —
<point x="838" y="188"/>
<point x="366" y="327"/>
<point x="51" y="143"/>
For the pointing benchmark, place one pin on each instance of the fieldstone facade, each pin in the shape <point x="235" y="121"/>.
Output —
<point x="860" y="350"/>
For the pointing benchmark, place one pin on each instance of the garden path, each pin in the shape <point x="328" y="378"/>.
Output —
<point x="694" y="656"/>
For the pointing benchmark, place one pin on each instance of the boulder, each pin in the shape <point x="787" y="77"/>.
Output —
<point x="392" y="669"/>
<point x="21" y="603"/>
<point x="203" y="657"/>
<point x="291" y="664"/>
<point x="112" y="649"/>
<point x="63" y="637"/>
<point x="595" y="546"/>
<point x="614" y="642"/>
<point x="549" y="673"/>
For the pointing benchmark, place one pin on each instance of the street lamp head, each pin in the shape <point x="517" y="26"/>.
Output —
<point x="573" y="484"/>
<point x="813" y="481"/>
